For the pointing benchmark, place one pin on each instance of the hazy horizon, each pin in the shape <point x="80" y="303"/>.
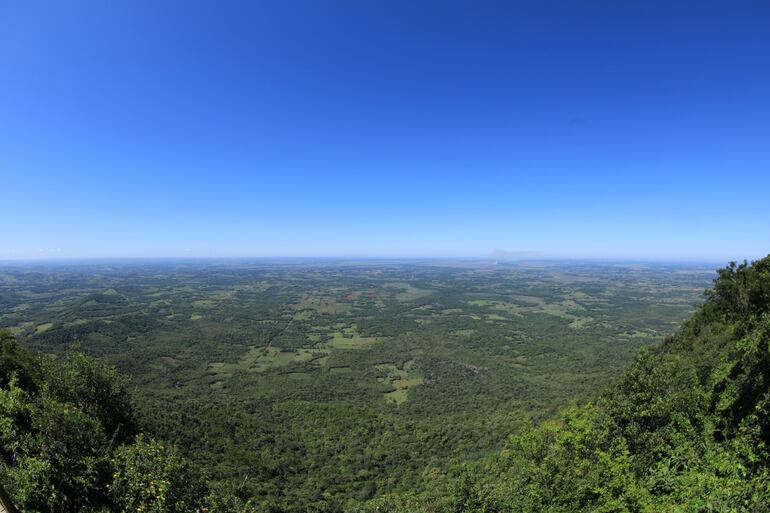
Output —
<point x="470" y="261"/>
<point x="53" y="256"/>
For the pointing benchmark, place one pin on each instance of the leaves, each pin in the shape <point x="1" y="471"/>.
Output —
<point x="61" y="425"/>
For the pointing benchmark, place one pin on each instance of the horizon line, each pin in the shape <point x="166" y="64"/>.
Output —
<point x="476" y="258"/>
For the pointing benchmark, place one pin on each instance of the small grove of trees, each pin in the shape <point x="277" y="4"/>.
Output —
<point x="69" y="442"/>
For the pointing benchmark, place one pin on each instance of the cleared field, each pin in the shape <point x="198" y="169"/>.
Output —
<point x="406" y="291"/>
<point x="401" y="379"/>
<point x="263" y="359"/>
<point x="328" y="305"/>
<point x="349" y="338"/>
<point x="42" y="328"/>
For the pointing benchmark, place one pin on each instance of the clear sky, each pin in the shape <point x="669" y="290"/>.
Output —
<point x="609" y="129"/>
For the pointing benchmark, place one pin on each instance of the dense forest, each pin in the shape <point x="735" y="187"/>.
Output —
<point x="69" y="441"/>
<point x="682" y="428"/>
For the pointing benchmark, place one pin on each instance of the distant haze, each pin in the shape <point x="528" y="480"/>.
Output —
<point x="392" y="129"/>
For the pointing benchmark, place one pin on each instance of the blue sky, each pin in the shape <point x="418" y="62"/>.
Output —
<point x="597" y="129"/>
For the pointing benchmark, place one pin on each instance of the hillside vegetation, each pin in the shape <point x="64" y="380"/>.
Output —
<point x="70" y="442"/>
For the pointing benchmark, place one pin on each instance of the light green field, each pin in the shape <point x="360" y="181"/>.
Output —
<point x="636" y="334"/>
<point x="407" y="292"/>
<point x="323" y="305"/>
<point x="520" y="361"/>
<point x="42" y="328"/>
<point x="580" y="322"/>
<point x="401" y="379"/>
<point x="500" y="306"/>
<point x="348" y="338"/>
<point x="531" y="304"/>
<point x="169" y="360"/>
<point x="205" y="304"/>
<point x="262" y="359"/>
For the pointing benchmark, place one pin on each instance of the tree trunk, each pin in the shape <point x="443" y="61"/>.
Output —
<point x="6" y="506"/>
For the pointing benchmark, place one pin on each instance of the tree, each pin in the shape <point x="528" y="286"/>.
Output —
<point x="153" y="477"/>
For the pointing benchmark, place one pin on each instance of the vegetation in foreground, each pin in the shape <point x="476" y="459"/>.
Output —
<point x="685" y="428"/>
<point x="69" y="441"/>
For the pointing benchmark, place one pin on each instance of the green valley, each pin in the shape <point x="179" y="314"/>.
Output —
<point x="321" y="385"/>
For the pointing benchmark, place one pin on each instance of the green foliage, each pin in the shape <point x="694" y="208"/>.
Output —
<point x="657" y="406"/>
<point x="95" y="388"/>
<point x="15" y="363"/>
<point x="54" y="453"/>
<point x="152" y="477"/>
<point x="63" y="425"/>
<point x="741" y="293"/>
<point x="741" y="386"/>
<point x="569" y="464"/>
<point x="470" y="495"/>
